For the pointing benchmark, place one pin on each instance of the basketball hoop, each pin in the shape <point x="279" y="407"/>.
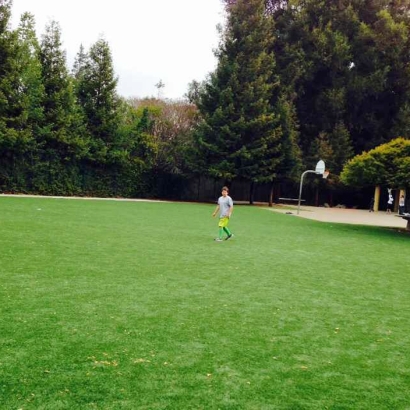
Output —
<point x="320" y="167"/>
<point x="325" y="174"/>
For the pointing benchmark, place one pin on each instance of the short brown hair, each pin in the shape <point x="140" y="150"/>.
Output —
<point x="225" y="188"/>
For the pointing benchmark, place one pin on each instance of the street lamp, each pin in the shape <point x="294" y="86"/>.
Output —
<point x="319" y="170"/>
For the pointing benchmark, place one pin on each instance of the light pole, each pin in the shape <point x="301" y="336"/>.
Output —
<point x="319" y="170"/>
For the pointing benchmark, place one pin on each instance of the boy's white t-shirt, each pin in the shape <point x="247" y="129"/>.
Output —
<point x="225" y="203"/>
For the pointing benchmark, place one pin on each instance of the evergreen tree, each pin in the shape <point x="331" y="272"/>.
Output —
<point x="6" y="68"/>
<point x="16" y="139"/>
<point x="7" y="44"/>
<point x="62" y="139"/>
<point x="379" y="90"/>
<point x="10" y="90"/>
<point x="30" y="75"/>
<point x="240" y="134"/>
<point x="6" y="64"/>
<point x="80" y="64"/>
<point x="341" y="147"/>
<point x="345" y="62"/>
<point x="62" y="127"/>
<point x="96" y="92"/>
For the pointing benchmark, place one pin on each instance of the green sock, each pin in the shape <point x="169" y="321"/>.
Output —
<point x="221" y="231"/>
<point x="228" y="232"/>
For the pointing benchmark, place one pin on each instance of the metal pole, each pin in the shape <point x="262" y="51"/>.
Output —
<point x="300" y="188"/>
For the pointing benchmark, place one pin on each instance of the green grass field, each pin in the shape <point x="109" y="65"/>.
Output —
<point x="132" y="305"/>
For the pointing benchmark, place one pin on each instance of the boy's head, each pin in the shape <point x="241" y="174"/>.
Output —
<point x="225" y="191"/>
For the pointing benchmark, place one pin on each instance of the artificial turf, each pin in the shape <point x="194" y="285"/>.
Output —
<point x="132" y="305"/>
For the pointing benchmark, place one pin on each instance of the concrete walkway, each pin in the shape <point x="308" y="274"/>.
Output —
<point x="347" y="216"/>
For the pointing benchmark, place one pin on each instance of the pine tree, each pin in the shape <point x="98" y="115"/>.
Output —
<point x="379" y="89"/>
<point x="6" y="67"/>
<point x="16" y="139"/>
<point x="346" y="63"/>
<point x="30" y="74"/>
<point x="10" y="90"/>
<point x="7" y="45"/>
<point x="240" y="135"/>
<point x="62" y="139"/>
<point x="61" y="132"/>
<point x="96" y="93"/>
<point x="80" y="64"/>
<point x="6" y="54"/>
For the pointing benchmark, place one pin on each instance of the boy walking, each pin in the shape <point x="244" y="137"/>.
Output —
<point x="225" y="208"/>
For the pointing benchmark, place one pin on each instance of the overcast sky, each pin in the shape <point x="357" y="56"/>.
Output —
<point x="150" y="40"/>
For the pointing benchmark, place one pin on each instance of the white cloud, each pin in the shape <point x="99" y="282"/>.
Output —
<point x="166" y="40"/>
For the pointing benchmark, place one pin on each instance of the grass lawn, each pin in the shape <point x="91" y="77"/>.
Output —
<point x="132" y="305"/>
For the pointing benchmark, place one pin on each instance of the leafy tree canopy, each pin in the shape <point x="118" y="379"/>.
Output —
<point x="387" y="164"/>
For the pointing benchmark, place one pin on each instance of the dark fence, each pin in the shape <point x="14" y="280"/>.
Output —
<point x="317" y="192"/>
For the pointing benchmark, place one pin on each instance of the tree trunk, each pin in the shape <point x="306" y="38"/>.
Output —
<point x="271" y="194"/>
<point x="251" y="191"/>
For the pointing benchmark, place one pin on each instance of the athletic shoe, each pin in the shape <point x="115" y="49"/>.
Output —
<point x="229" y="237"/>
<point x="218" y="240"/>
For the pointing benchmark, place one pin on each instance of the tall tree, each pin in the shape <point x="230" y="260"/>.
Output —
<point x="16" y="138"/>
<point x="96" y="90"/>
<point x="80" y="63"/>
<point x="240" y="134"/>
<point x="379" y="90"/>
<point x="346" y="64"/>
<point x="10" y="91"/>
<point x="7" y="50"/>
<point x="61" y="141"/>
<point x="30" y="74"/>
<point x="6" y="62"/>
<point x="62" y="128"/>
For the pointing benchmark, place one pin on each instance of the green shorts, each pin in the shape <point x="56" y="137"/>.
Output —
<point x="223" y="222"/>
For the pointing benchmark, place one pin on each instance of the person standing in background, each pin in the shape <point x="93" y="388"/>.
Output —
<point x="371" y="205"/>
<point x="389" y="203"/>
<point x="402" y="204"/>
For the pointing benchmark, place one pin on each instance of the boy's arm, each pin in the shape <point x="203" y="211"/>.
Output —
<point x="230" y="208"/>
<point x="216" y="210"/>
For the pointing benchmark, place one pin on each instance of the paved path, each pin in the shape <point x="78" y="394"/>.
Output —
<point x="347" y="216"/>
